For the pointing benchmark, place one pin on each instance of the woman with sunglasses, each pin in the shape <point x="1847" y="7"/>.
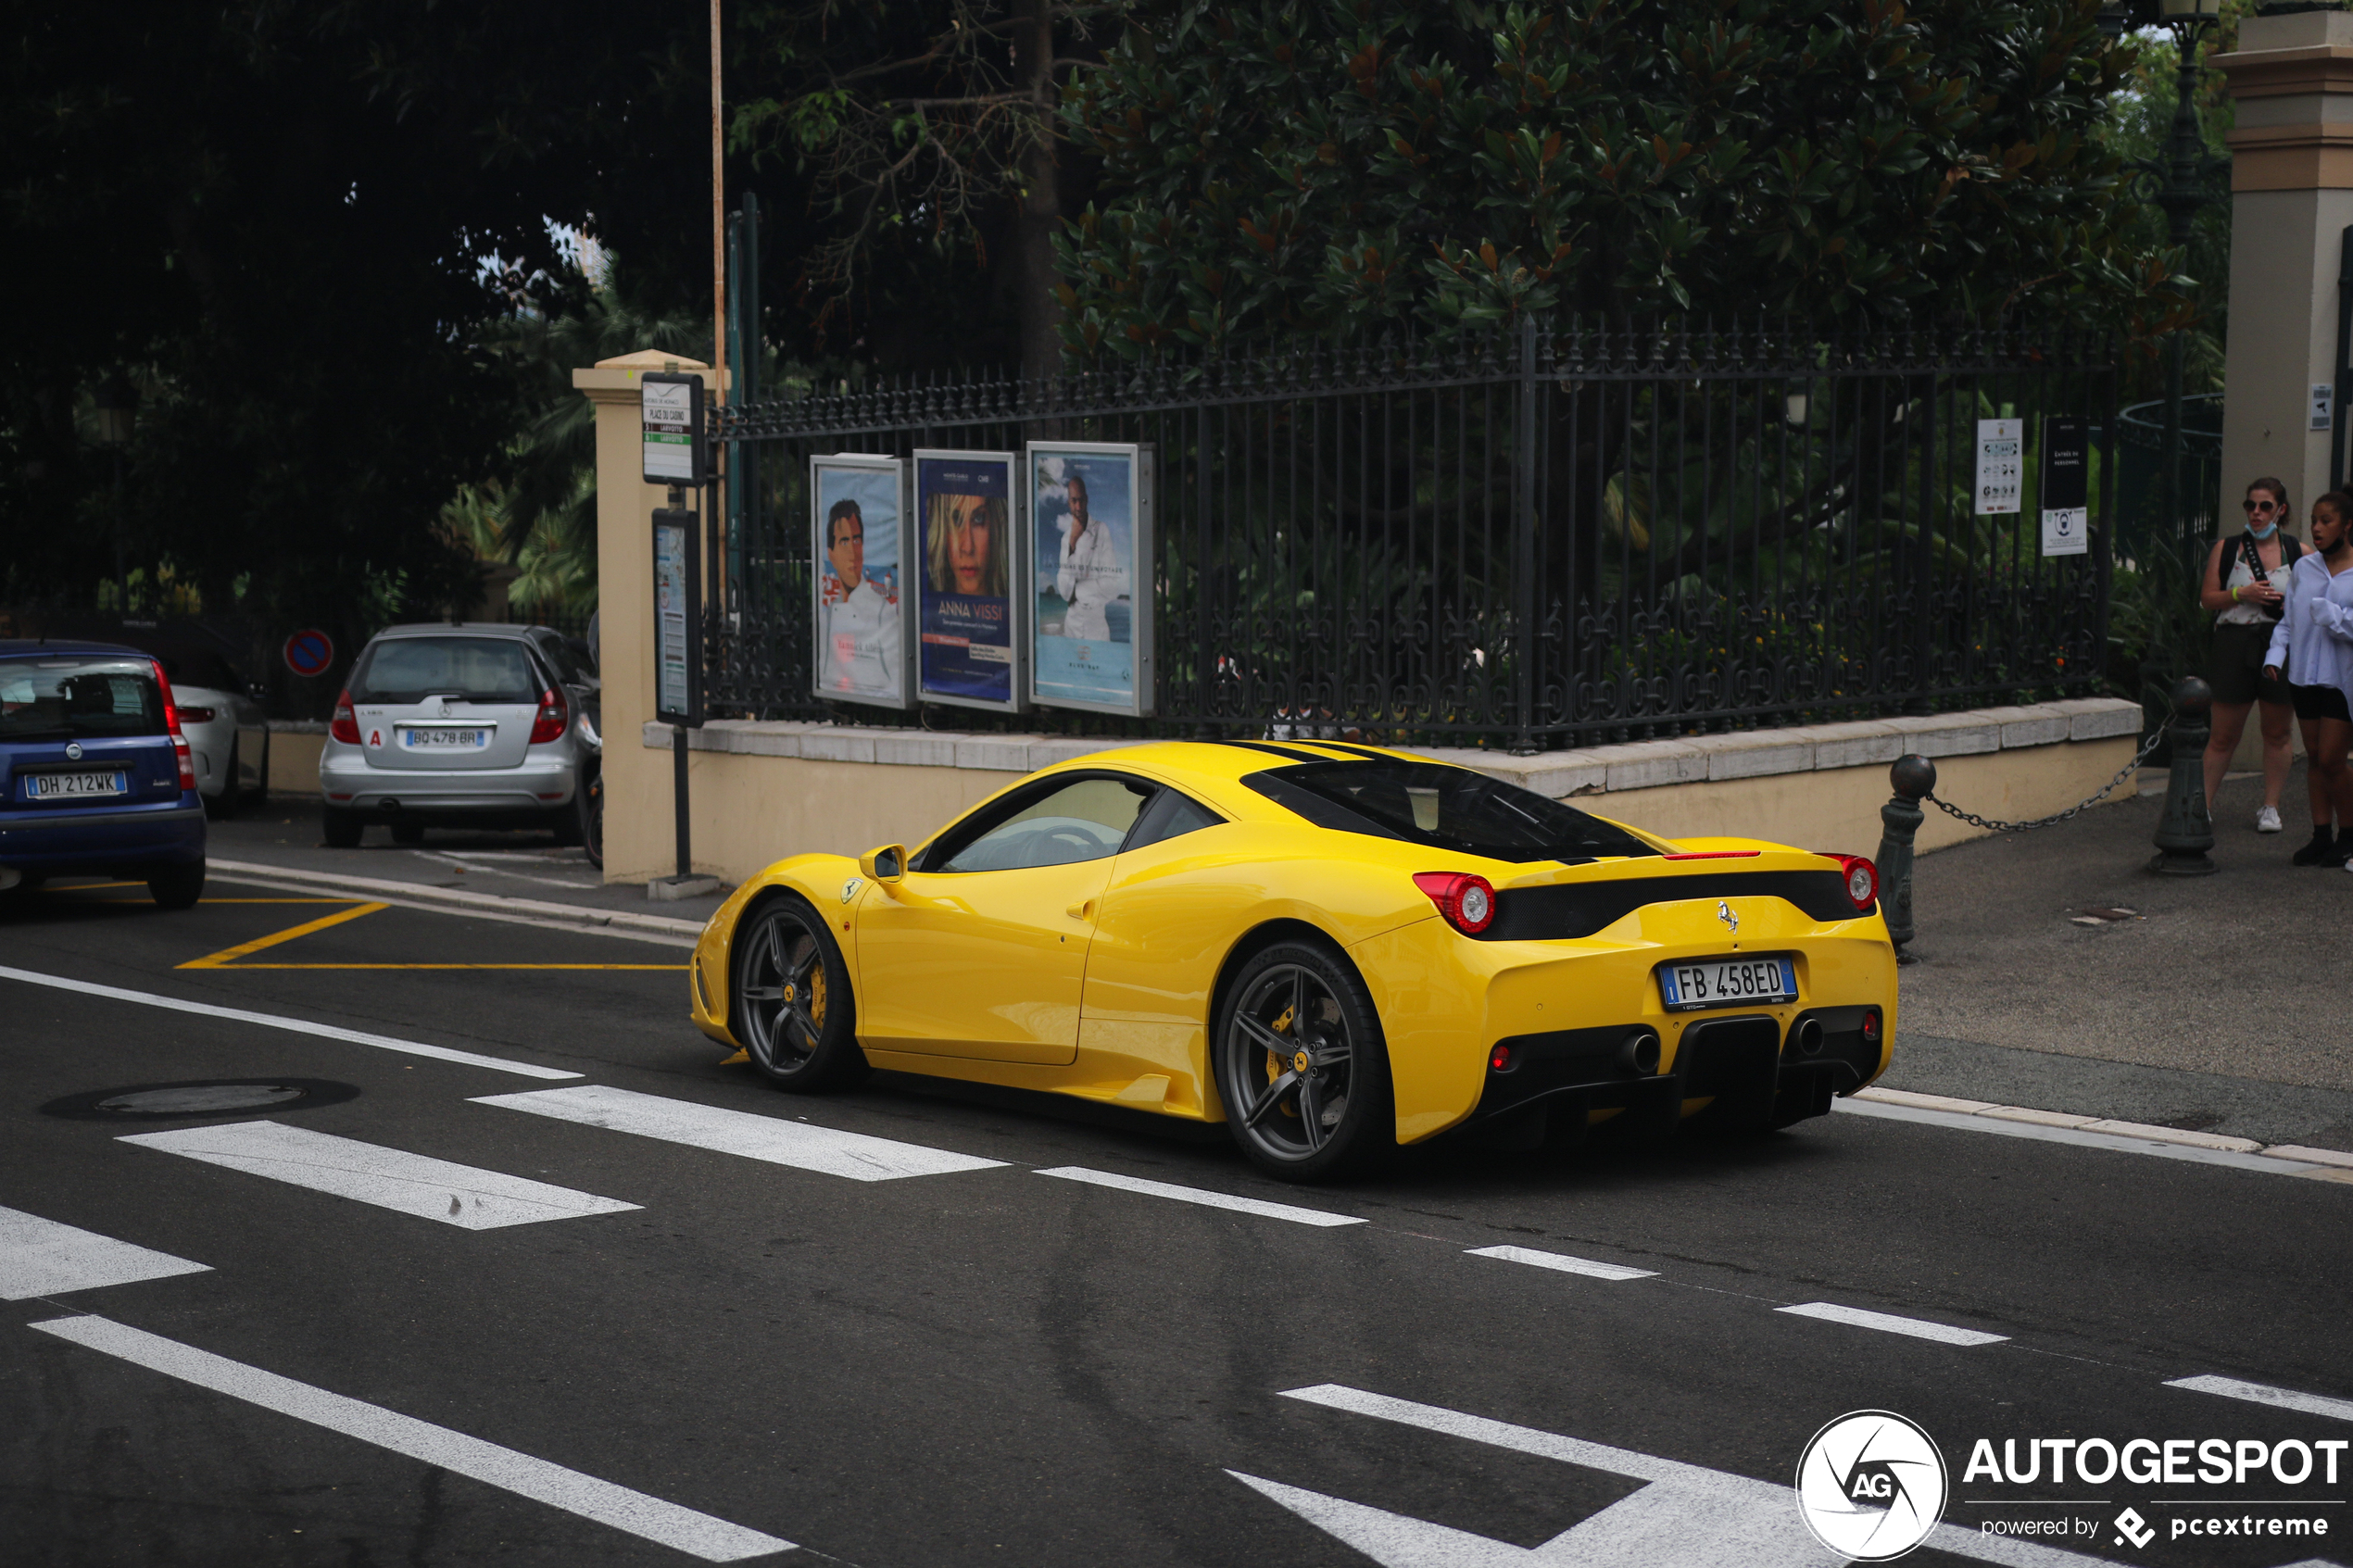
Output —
<point x="2315" y="640"/>
<point x="2246" y="581"/>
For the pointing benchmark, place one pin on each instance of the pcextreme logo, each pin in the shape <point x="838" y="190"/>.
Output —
<point x="1871" y="1485"/>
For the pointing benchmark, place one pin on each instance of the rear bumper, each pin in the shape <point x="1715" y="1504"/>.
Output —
<point x="474" y="797"/>
<point x="94" y="840"/>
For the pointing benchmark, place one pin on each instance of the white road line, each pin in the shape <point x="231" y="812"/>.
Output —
<point x="1207" y="1200"/>
<point x="389" y="1178"/>
<point x="2113" y="1142"/>
<point x="649" y="1518"/>
<point x="2262" y="1394"/>
<point x="42" y="1257"/>
<point x="1562" y="1261"/>
<point x="292" y="1025"/>
<point x="854" y="1155"/>
<point x="1688" y="1517"/>
<point x="1888" y="1322"/>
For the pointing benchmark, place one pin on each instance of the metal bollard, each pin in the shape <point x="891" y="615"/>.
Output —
<point x="1913" y="778"/>
<point x="2185" y="833"/>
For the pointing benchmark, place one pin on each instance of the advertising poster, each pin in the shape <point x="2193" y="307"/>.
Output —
<point x="1089" y="544"/>
<point x="967" y="612"/>
<point x="857" y="531"/>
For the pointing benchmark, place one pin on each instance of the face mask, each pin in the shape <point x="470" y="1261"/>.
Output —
<point x="2263" y="534"/>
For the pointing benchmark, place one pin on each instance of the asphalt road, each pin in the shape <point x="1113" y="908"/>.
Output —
<point x="891" y="1326"/>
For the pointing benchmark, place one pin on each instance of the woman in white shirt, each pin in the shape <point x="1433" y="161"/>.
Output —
<point x="2314" y="644"/>
<point x="2246" y="578"/>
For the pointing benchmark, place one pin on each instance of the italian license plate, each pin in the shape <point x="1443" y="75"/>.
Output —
<point x="58" y="786"/>
<point x="1719" y="983"/>
<point x="444" y="740"/>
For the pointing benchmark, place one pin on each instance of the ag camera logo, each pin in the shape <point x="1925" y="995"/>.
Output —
<point x="1871" y="1485"/>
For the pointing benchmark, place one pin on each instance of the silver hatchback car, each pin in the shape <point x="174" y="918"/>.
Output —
<point x="478" y="725"/>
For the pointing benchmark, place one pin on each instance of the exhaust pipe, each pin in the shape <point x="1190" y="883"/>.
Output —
<point x="1808" y="1037"/>
<point x="1639" y="1054"/>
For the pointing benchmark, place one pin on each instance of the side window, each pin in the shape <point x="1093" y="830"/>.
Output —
<point x="1084" y="819"/>
<point x="1172" y="815"/>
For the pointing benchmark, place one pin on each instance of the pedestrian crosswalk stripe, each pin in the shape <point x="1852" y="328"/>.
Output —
<point x="798" y="1143"/>
<point x="389" y="1178"/>
<point x="2263" y="1393"/>
<point x="294" y="1025"/>
<point x="42" y="1257"/>
<point x="1888" y="1322"/>
<point x="1562" y="1261"/>
<point x="649" y="1518"/>
<point x="1207" y="1199"/>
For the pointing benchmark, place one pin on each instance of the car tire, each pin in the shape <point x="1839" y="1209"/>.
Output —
<point x="224" y="805"/>
<point x="409" y="834"/>
<point x="591" y="801"/>
<point x="1310" y="1121"/>
<point x="176" y="887"/>
<point x="793" y="1009"/>
<point x="339" y="828"/>
<point x="564" y="822"/>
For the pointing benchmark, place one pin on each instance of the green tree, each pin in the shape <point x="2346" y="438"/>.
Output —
<point x="1339" y="164"/>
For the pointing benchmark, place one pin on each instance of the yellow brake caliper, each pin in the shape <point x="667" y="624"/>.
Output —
<point x="1275" y="1064"/>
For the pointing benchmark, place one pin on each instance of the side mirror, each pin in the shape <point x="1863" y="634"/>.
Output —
<point x="886" y="864"/>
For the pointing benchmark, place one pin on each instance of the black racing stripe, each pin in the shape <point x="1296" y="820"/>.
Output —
<point x="1580" y="908"/>
<point x="1363" y="751"/>
<point x="1285" y="752"/>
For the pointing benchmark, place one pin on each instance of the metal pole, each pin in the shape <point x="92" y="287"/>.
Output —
<point x="2182" y="197"/>
<point x="1524" y="599"/>
<point x="678" y="797"/>
<point x="718" y="224"/>
<point x="2342" y="374"/>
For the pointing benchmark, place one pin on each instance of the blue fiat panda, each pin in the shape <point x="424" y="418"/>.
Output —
<point x="96" y="776"/>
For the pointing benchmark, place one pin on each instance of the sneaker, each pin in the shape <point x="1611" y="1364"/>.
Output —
<point x="2321" y="850"/>
<point x="2267" y="820"/>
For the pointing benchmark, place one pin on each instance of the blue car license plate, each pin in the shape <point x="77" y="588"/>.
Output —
<point x="61" y="786"/>
<point x="1721" y="983"/>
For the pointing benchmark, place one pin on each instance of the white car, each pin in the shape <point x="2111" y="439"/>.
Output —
<point x="221" y="712"/>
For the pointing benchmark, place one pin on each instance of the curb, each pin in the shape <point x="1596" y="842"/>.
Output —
<point x="2337" y="1159"/>
<point x="536" y="908"/>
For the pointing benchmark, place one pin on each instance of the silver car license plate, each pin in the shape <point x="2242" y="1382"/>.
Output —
<point x="438" y="738"/>
<point x="1721" y="983"/>
<point x="58" y="786"/>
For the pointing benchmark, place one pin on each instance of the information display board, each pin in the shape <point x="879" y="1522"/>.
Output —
<point x="677" y="618"/>
<point x="859" y="544"/>
<point x="670" y="415"/>
<point x="1087" y="569"/>
<point x="2001" y="465"/>
<point x="968" y="618"/>
<point x="2066" y="486"/>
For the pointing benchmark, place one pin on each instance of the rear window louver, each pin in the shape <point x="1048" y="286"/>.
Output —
<point x="1580" y="908"/>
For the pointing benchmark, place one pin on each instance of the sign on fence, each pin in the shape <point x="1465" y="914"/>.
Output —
<point x="968" y="618"/>
<point x="859" y="543"/>
<point x="2066" y="488"/>
<point x="2001" y="465"/>
<point x="1090" y="543"/>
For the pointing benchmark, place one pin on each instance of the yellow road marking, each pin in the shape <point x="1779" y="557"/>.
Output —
<point x="678" y="967"/>
<point x="222" y="959"/>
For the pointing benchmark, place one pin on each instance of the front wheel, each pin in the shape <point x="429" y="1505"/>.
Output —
<point x="1301" y="1065"/>
<point x="793" y="1011"/>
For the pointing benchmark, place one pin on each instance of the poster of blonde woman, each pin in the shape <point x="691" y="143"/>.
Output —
<point x="860" y="609"/>
<point x="1089" y="539"/>
<point x="967" y="612"/>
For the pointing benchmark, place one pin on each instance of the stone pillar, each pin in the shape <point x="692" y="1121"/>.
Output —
<point x="640" y="841"/>
<point x="2291" y="200"/>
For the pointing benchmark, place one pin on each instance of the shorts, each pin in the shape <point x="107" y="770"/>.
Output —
<point x="2321" y="702"/>
<point x="2234" y="670"/>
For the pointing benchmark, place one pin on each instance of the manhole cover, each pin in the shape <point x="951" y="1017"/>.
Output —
<point x="212" y="1096"/>
<point x="199" y="1098"/>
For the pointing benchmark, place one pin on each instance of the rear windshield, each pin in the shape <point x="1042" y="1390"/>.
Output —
<point x="67" y="697"/>
<point x="1444" y="807"/>
<point x="477" y="669"/>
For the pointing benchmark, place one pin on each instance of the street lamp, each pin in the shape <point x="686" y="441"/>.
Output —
<point x="117" y="405"/>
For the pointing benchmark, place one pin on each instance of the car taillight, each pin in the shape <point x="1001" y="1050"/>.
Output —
<point x="1466" y="901"/>
<point x="345" y="726"/>
<point x="1861" y="876"/>
<point x="179" y="752"/>
<point x="552" y="718"/>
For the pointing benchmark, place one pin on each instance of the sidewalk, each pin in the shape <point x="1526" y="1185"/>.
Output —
<point x="2221" y="1004"/>
<point x="507" y="865"/>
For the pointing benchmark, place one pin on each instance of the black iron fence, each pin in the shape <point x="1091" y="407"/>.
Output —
<point x="1531" y="539"/>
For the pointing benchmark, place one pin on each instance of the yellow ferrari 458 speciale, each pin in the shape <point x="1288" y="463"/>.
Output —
<point x="1331" y="948"/>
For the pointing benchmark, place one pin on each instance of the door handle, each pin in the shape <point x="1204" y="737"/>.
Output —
<point x="1084" y="909"/>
